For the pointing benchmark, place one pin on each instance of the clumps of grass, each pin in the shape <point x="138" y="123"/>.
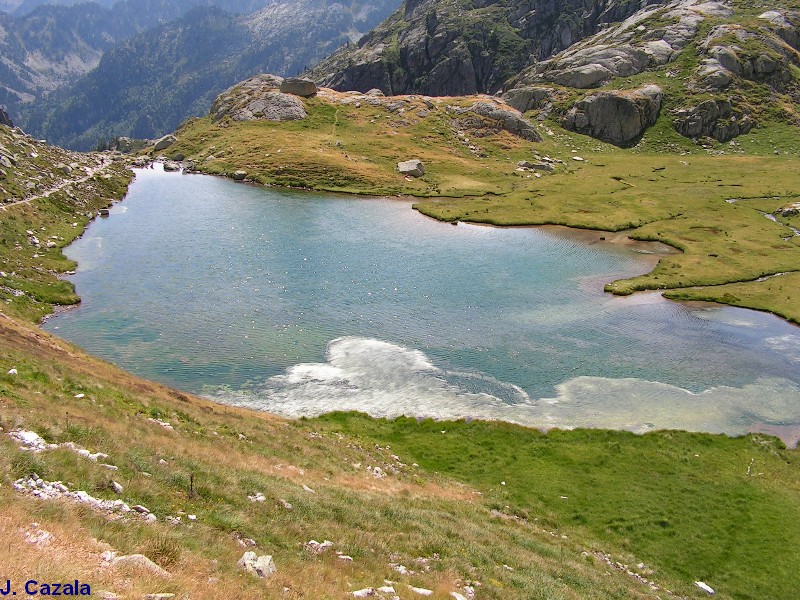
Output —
<point x="27" y="464"/>
<point x="164" y="550"/>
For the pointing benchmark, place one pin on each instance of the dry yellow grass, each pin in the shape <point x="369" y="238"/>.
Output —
<point x="410" y="514"/>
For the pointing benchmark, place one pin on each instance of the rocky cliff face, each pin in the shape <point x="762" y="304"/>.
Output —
<point x="5" y="119"/>
<point x="456" y="47"/>
<point x="540" y="52"/>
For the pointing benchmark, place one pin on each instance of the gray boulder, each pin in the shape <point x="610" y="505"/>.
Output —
<point x="617" y="117"/>
<point x="508" y="120"/>
<point x="713" y="118"/>
<point x="260" y="566"/>
<point x="257" y="98"/>
<point x="582" y="77"/>
<point x="298" y="86"/>
<point x="713" y="75"/>
<point x="165" y="142"/>
<point x="537" y="166"/>
<point x="528" y="98"/>
<point x="273" y="106"/>
<point x="239" y="175"/>
<point x="413" y="167"/>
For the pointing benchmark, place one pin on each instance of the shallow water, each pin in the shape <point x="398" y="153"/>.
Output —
<point x="303" y="303"/>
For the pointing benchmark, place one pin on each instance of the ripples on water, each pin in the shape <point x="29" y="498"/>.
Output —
<point x="304" y="303"/>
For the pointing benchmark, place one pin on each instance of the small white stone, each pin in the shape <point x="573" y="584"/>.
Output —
<point x="12" y="372"/>
<point x="705" y="587"/>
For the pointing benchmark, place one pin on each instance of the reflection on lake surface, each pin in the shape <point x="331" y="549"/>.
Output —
<point x="303" y="303"/>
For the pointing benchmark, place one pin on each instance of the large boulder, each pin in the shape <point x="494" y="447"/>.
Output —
<point x="617" y="117"/>
<point x="413" y="167"/>
<point x="528" y="98"/>
<point x="258" y="98"/>
<point x="298" y="86"/>
<point x="164" y="142"/>
<point x="713" y="118"/>
<point x="508" y="120"/>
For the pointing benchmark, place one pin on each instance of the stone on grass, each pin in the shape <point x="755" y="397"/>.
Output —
<point x="316" y="547"/>
<point x="140" y="562"/>
<point x="705" y="587"/>
<point x="260" y="566"/>
<point x="239" y="175"/>
<point x="165" y="142"/>
<point x="412" y="167"/>
<point x="365" y="593"/>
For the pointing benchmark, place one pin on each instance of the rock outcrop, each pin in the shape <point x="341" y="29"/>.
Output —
<point x="441" y="48"/>
<point x="713" y="118"/>
<point x="617" y="117"/>
<point x="629" y="47"/>
<point x="164" y="143"/>
<point x="258" y="98"/>
<point x="5" y="119"/>
<point x="763" y="55"/>
<point x="529" y="98"/>
<point x="298" y="86"/>
<point x="492" y="116"/>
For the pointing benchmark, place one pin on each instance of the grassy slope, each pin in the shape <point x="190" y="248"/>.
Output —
<point x="29" y="275"/>
<point x="412" y="513"/>
<point x="695" y="506"/>
<point x="688" y="506"/>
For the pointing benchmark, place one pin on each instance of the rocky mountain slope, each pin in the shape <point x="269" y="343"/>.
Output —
<point x="47" y="46"/>
<point x="720" y="67"/>
<point x="53" y="45"/>
<point x="455" y="47"/>
<point x="23" y="7"/>
<point x="147" y="85"/>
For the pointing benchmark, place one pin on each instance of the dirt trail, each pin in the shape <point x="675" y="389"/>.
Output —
<point x="90" y="172"/>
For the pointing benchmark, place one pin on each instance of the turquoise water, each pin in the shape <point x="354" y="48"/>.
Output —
<point x="303" y="303"/>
